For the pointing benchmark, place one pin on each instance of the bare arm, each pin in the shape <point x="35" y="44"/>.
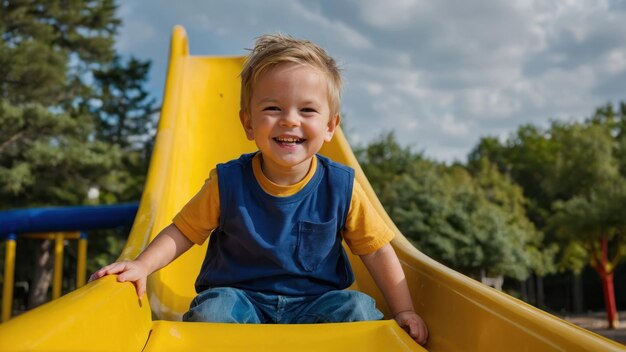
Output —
<point x="168" y="245"/>
<point x="387" y="272"/>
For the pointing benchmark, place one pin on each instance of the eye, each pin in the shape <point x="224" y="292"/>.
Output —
<point x="309" y="110"/>
<point x="271" y="108"/>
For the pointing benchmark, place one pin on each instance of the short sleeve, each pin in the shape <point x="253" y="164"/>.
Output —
<point x="200" y="216"/>
<point x="365" y="231"/>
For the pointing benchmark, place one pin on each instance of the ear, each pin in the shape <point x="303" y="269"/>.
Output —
<point x="246" y="122"/>
<point x="333" y="123"/>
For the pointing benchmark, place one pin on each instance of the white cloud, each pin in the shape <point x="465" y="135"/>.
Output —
<point x="615" y="61"/>
<point x="439" y="73"/>
<point x="374" y="88"/>
<point x="491" y="103"/>
<point x="338" y="29"/>
<point x="390" y="14"/>
<point x="452" y="127"/>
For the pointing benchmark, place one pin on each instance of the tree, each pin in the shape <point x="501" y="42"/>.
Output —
<point x="524" y="157"/>
<point x="45" y="52"/>
<point x="46" y="157"/>
<point x="456" y="218"/>
<point x="595" y="221"/>
<point x="125" y="118"/>
<point x="500" y="190"/>
<point x="53" y="147"/>
<point x="123" y="106"/>
<point x="47" y="153"/>
<point x="572" y="175"/>
<point x="583" y="175"/>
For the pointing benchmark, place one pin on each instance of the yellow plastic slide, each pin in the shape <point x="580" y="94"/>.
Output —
<point x="199" y="128"/>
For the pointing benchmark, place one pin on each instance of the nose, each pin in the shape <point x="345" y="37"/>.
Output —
<point x="290" y="118"/>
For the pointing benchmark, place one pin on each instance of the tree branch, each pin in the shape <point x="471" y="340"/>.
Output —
<point x="594" y="254"/>
<point x="618" y="254"/>
<point x="12" y="139"/>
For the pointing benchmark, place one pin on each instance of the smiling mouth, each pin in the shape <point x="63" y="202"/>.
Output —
<point x="289" y="140"/>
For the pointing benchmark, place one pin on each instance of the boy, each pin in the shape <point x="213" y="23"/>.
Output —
<point x="278" y="216"/>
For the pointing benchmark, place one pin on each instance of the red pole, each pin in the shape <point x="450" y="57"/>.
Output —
<point x="609" y="301"/>
<point x="607" y="286"/>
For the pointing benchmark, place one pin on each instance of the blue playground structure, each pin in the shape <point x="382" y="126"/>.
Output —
<point x="58" y="224"/>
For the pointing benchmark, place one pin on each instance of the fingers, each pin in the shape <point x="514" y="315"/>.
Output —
<point x="114" y="268"/>
<point x="103" y="271"/>
<point x="413" y="330"/>
<point x="415" y="327"/>
<point x="140" y="287"/>
<point x="128" y="271"/>
<point x="418" y="332"/>
<point x="128" y="274"/>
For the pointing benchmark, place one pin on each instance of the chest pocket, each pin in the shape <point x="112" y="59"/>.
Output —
<point x="316" y="242"/>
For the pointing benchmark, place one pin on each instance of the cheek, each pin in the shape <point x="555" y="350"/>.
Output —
<point x="260" y="128"/>
<point x="322" y="134"/>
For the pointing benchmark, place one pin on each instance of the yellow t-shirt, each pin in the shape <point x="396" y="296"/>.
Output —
<point x="364" y="231"/>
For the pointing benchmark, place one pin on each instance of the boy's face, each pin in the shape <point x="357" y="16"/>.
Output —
<point x="289" y="117"/>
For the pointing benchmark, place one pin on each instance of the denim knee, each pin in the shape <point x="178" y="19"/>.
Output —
<point x="361" y="307"/>
<point x="222" y="305"/>
<point x="341" y="306"/>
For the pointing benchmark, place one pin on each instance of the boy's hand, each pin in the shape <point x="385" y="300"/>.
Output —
<point x="128" y="271"/>
<point x="413" y="325"/>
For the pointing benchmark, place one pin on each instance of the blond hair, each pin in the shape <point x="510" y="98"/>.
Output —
<point x="273" y="49"/>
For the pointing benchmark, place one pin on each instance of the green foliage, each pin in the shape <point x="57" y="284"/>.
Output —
<point x="48" y="154"/>
<point x="40" y="38"/>
<point x="575" y="257"/>
<point x="123" y="106"/>
<point x="471" y="222"/>
<point x="524" y="157"/>
<point x="105" y="247"/>
<point x="46" y="157"/>
<point x="582" y="162"/>
<point x="73" y="114"/>
<point x="589" y="218"/>
<point x="125" y="118"/>
<point x="573" y="176"/>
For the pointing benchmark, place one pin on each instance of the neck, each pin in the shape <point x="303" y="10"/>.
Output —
<point x="286" y="176"/>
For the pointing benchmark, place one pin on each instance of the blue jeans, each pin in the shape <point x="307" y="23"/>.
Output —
<point x="231" y="305"/>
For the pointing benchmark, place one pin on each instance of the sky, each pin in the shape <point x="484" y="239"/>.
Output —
<point x="440" y="74"/>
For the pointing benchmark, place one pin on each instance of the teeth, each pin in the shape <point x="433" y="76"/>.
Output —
<point x="287" y="140"/>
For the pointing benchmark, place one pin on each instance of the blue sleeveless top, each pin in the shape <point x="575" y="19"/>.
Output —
<point x="281" y="245"/>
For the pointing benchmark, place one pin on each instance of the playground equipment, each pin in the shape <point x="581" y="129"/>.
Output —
<point x="58" y="224"/>
<point x="199" y="128"/>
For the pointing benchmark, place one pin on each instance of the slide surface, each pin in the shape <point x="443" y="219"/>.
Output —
<point x="199" y="128"/>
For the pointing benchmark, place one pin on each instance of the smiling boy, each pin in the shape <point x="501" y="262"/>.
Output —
<point x="277" y="217"/>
